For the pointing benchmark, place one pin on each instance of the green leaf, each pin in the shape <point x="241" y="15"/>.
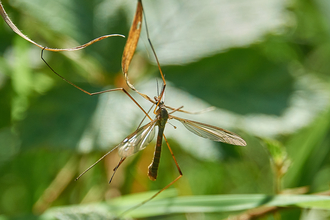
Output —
<point x="189" y="204"/>
<point x="253" y="84"/>
<point x="302" y="146"/>
<point x="59" y="118"/>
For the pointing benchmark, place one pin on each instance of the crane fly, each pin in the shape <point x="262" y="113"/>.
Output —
<point x="143" y="136"/>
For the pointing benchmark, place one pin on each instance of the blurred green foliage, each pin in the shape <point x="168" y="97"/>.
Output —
<point x="272" y="89"/>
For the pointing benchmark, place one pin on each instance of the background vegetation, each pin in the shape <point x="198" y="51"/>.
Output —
<point x="264" y="66"/>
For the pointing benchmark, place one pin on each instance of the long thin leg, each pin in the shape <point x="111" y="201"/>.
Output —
<point x="188" y="112"/>
<point x="159" y="98"/>
<point x="172" y="154"/>
<point x="174" y="110"/>
<point x="116" y="168"/>
<point x="17" y="31"/>
<point x="94" y="93"/>
<point x="154" y="52"/>
<point x="144" y="117"/>
<point x="171" y="183"/>
<point x="91" y="166"/>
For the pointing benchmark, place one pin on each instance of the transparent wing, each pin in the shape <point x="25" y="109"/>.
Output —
<point x="138" y="140"/>
<point x="211" y="132"/>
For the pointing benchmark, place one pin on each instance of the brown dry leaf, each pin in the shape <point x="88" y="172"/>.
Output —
<point x="17" y="31"/>
<point x="129" y="50"/>
<point x="133" y="38"/>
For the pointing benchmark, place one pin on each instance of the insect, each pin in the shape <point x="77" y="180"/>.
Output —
<point x="143" y="136"/>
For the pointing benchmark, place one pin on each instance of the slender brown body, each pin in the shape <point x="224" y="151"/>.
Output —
<point x="162" y="119"/>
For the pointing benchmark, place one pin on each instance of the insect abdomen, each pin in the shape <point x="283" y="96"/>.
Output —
<point x="153" y="167"/>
